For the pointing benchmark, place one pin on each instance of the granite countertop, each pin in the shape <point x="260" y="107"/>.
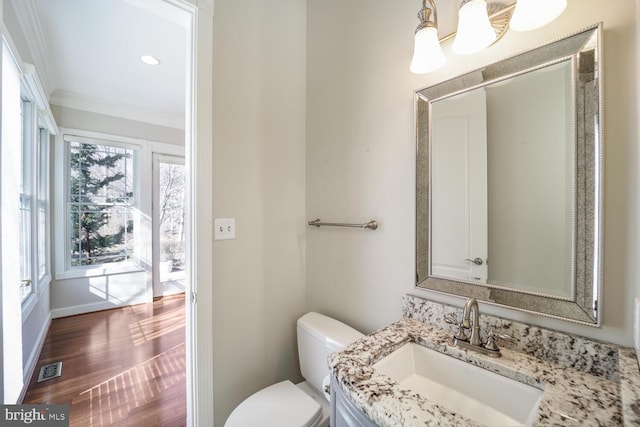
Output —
<point x="572" y="396"/>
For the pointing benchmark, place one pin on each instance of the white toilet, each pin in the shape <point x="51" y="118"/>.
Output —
<point x="299" y="405"/>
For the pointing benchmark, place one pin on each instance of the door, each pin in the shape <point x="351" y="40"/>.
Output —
<point x="459" y="187"/>
<point x="168" y="225"/>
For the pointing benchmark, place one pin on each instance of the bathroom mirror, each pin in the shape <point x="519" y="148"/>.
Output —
<point x="509" y="182"/>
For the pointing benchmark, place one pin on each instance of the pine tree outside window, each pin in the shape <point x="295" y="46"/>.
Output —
<point x="101" y="203"/>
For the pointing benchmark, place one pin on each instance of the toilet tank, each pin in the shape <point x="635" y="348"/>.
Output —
<point x="318" y="337"/>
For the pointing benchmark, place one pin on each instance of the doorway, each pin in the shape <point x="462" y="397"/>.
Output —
<point x="196" y="16"/>
<point x="168" y="225"/>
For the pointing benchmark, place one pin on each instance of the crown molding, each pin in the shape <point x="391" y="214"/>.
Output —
<point x="29" y="22"/>
<point x="166" y="9"/>
<point x="102" y="106"/>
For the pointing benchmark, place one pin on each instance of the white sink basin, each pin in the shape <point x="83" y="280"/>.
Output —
<point x="483" y="396"/>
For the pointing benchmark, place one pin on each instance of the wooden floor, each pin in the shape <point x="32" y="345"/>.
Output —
<point x="123" y="367"/>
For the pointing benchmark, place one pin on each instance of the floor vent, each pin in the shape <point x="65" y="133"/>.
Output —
<point x="52" y="370"/>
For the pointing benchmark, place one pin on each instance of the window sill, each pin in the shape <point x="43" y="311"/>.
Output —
<point x="102" y="270"/>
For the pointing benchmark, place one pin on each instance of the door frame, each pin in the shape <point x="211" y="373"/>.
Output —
<point x="199" y="210"/>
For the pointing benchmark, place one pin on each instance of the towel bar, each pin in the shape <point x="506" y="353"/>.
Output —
<point x="371" y="225"/>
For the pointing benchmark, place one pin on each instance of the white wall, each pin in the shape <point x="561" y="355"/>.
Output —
<point x="86" y="294"/>
<point x="34" y="330"/>
<point x="361" y="155"/>
<point x="258" y="178"/>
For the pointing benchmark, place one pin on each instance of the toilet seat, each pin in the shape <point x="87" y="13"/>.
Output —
<point x="279" y="405"/>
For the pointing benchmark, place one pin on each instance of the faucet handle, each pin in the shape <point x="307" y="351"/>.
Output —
<point x="491" y="339"/>
<point x="452" y="319"/>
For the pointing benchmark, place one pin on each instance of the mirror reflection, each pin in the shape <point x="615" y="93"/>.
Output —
<point x="502" y="183"/>
<point x="509" y="181"/>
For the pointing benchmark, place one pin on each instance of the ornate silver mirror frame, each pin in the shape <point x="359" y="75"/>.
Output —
<point x="583" y="51"/>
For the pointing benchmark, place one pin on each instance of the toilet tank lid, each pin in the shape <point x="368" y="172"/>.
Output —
<point x="331" y="331"/>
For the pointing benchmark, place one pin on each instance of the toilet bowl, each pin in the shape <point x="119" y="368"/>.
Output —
<point x="306" y="404"/>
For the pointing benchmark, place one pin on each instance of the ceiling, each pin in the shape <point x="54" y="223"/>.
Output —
<point x="87" y="53"/>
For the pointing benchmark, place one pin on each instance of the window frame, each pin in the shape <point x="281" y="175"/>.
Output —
<point x="40" y="166"/>
<point x="28" y="166"/>
<point x="43" y="197"/>
<point x="64" y="269"/>
<point x="40" y="120"/>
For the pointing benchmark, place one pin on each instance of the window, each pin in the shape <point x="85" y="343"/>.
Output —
<point x="26" y="126"/>
<point x="26" y="200"/>
<point x="43" y="205"/>
<point x="100" y="203"/>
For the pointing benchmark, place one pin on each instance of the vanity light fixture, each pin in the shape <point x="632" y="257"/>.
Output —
<point x="427" y="52"/>
<point x="150" y="60"/>
<point x="479" y="26"/>
<point x="474" y="29"/>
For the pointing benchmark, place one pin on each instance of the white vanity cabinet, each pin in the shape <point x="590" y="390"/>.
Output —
<point x="343" y="412"/>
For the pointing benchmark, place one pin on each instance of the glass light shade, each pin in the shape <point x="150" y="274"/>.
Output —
<point x="532" y="14"/>
<point x="474" y="29"/>
<point x="427" y="53"/>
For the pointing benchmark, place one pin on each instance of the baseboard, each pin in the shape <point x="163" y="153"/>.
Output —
<point x="32" y="361"/>
<point x="84" y="308"/>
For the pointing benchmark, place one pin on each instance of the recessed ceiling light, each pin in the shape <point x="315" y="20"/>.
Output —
<point x="151" y="60"/>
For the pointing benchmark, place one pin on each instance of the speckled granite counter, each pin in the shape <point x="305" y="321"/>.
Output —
<point x="584" y="382"/>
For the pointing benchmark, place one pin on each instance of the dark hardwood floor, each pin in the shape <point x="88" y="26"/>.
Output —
<point x="123" y="367"/>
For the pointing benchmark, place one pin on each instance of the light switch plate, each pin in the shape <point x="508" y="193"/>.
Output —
<point x="225" y="229"/>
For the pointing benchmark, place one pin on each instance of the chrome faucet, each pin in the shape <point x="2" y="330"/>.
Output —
<point x="474" y="324"/>
<point x="471" y="321"/>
